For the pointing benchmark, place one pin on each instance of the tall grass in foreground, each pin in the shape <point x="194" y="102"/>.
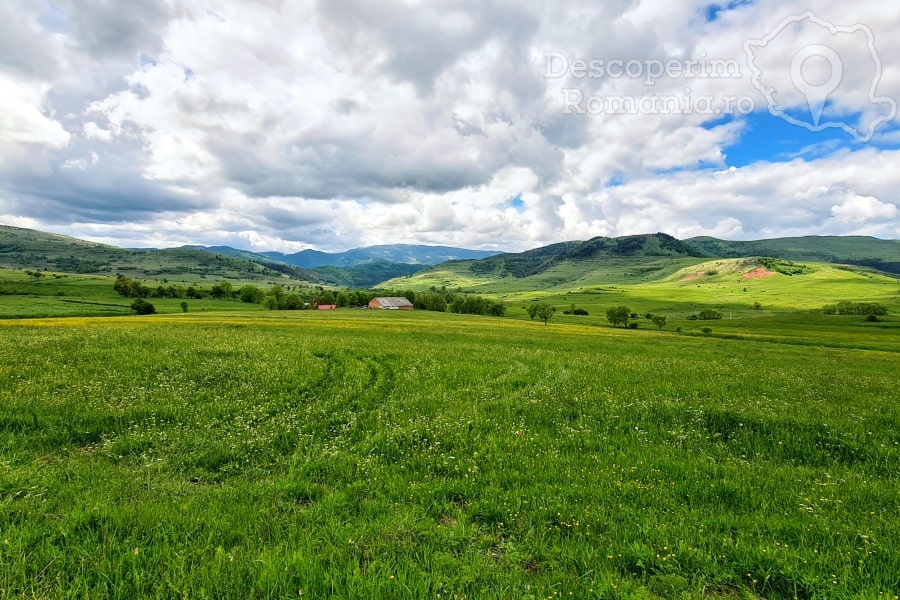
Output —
<point x="385" y="456"/>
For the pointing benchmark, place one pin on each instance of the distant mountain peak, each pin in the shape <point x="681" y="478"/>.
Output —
<point x="410" y="254"/>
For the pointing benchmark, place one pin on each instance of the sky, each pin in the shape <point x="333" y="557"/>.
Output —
<point x="487" y="124"/>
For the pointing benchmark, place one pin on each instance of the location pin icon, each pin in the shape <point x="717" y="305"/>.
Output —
<point x="817" y="95"/>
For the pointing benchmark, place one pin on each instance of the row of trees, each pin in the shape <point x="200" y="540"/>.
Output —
<point x="444" y="301"/>
<point x="132" y="288"/>
<point x="706" y="315"/>
<point x="477" y="305"/>
<point x="865" y="309"/>
<point x="622" y="314"/>
<point x="274" y="297"/>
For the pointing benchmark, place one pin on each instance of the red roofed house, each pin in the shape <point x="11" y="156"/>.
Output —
<point x="391" y="304"/>
<point x="327" y="306"/>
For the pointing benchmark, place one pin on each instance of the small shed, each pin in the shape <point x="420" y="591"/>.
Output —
<point x="391" y="304"/>
<point x="327" y="306"/>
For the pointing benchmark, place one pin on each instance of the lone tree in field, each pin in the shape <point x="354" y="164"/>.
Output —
<point x="184" y="306"/>
<point x="659" y="321"/>
<point x="542" y="311"/>
<point x="618" y="315"/>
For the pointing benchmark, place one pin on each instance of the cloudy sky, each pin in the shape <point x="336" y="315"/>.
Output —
<point x="508" y="124"/>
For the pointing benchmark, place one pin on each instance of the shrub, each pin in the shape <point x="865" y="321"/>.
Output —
<point x="709" y="315"/>
<point x="142" y="307"/>
<point x="693" y="318"/>
<point x="706" y="330"/>
<point x="580" y="312"/>
<point x="872" y="319"/>
<point x="633" y="325"/>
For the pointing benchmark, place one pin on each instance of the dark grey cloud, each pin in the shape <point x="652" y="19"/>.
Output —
<point x="74" y="186"/>
<point x="109" y="29"/>
<point x="287" y="218"/>
<point x="565" y="131"/>
<point x="313" y="167"/>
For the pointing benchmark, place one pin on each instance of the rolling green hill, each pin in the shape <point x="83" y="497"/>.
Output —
<point x="627" y="260"/>
<point x="632" y="259"/>
<point x="745" y="291"/>
<point x="540" y="260"/>
<point x="883" y="255"/>
<point x="640" y="259"/>
<point x="30" y="249"/>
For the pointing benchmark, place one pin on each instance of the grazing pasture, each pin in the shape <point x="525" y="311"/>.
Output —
<point x="360" y="454"/>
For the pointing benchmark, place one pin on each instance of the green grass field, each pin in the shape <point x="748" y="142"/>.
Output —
<point x="71" y="295"/>
<point x="564" y="276"/>
<point x="790" y="307"/>
<point x="362" y="454"/>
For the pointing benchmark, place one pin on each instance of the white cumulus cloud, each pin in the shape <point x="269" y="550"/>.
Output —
<point x="284" y="125"/>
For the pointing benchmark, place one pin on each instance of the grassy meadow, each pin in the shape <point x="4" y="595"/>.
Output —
<point x="363" y="454"/>
<point x="73" y="295"/>
<point x="776" y="308"/>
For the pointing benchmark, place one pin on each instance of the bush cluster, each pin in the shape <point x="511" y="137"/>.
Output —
<point x="846" y="307"/>
<point x="706" y="315"/>
<point x="142" y="307"/>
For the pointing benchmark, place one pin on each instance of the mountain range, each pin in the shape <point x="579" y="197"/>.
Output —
<point x="645" y="258"/>
<point x="631" y="257"/>
<point x="395" y="253"/>
<point x="362" y="267"/>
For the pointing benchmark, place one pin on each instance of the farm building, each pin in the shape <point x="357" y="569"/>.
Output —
<point x="391" y="304"/>
<point x="327" y="306"/>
